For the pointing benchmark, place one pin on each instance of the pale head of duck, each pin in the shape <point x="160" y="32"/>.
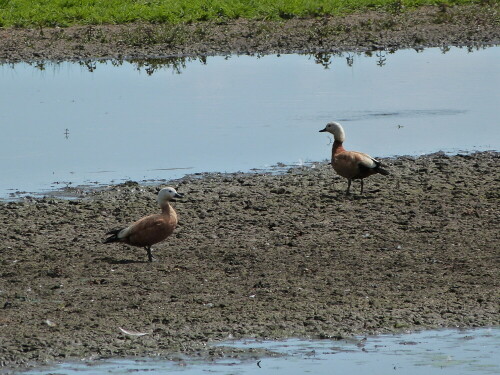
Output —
<point x="336" y="129"/>
<point x="167" y="194"/>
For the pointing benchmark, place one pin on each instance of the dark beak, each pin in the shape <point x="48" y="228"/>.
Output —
<point x="178" y="195"/>
<point x="323" y="130"/>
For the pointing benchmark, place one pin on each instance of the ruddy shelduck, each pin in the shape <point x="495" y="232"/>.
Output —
<point x="352" y="165"/>
<point x="150" y="229"/>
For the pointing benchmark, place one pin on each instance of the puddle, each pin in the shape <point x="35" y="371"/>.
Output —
<point x="444" y="352"/>
<point x="95" y="123"/>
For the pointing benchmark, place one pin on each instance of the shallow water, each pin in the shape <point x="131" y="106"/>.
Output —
<point x="68" y="124"/>
<point x="444" y="352"/>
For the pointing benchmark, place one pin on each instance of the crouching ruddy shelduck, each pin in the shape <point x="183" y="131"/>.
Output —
<point x="150" y="229"/>
<point x="351" y="164"/>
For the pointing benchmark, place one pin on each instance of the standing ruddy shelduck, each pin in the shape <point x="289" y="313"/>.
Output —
<point x="150" y="229"/>
<point x="351" y="164"/>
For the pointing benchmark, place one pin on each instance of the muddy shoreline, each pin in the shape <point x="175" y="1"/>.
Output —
<point x="255" y="255"/>
<point x="440" y="26"/>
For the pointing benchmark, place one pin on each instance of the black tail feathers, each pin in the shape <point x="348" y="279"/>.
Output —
<point x="381" y="170"/>
<point x="114" y="236"/>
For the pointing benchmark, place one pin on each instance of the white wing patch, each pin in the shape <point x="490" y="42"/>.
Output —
<point x="124" y="232"/>
<point x="367" y="161"/>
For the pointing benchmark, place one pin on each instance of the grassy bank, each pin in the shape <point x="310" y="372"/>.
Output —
<point x="29" y="13"/>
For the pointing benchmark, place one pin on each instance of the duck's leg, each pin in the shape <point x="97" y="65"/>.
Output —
<point x="348" y="185"/>
<point x="361" y="186"/>
<point x="150" y="255"/>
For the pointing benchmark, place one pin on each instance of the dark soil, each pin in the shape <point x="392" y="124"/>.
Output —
<point x="255" y="255"/>
<point x="471" y="26"/>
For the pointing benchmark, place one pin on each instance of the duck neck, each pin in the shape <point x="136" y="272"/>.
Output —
<point x="166" y="209"/>
<point x="337" y="148"/>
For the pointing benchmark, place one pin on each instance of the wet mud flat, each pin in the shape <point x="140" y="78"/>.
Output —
<point x="469" y="25"/>
<point x="255" y="255"/>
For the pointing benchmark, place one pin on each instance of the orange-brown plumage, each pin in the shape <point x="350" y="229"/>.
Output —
<point x="150" y="229"/>
<point x="351" y="164"/>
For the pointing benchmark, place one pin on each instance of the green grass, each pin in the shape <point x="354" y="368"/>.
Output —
<point x="29" y="13"/>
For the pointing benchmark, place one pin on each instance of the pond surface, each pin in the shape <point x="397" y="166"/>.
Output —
<point x="446" y="352"/>
<point x="107" y="122"/>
